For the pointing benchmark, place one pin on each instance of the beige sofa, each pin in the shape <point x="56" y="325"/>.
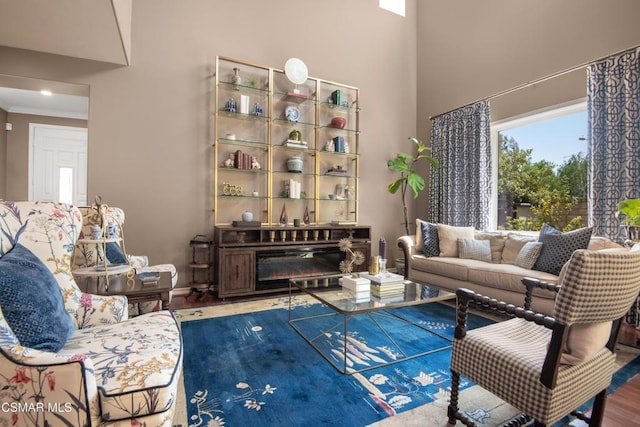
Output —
<point x="499" y="278"/>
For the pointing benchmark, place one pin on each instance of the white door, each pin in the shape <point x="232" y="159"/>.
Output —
<point x="58" y="163"/>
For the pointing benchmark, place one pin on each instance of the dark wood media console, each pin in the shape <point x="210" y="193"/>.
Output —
<point x="263" y="259"/>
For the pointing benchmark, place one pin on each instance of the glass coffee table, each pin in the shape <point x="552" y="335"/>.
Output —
<point x="355" y="334"/>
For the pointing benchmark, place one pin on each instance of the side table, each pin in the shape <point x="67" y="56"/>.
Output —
<point x="134" y="290"/>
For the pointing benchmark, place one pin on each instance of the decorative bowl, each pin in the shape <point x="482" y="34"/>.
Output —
<point x="338" y="122"/>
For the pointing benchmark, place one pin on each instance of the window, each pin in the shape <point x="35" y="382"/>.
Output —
<point x="66" y="185"/>
<point x="395" y="6"/>
<point x="541" y="169"/>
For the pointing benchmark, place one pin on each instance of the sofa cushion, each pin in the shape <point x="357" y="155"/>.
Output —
<point x="430" y="241"/>
<point x="449" y="235"/>
<point x="597" y="243"/>
<point x="455" y="268"/>
<point x="584" y="341"/>
<point x="115" y="254"/>
<point x="31" y="301"/>
<point x="509" y="277"/>
<point x="497" y="241"/>
<point x="474" y="249"/>
<point x="528" y="255"/>
<point x="137" y="363"/>
<point x="418" y="237"/>
<point x="557" y="247"/>
<point x="513" y="245"/>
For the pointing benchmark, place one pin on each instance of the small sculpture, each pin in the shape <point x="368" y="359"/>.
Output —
<point x="305" y="217"/>
<point x="330" y="146"/>
<point x="229" y="162"/>
<point x="254" y="163"/>
<point x="284" y="219"/>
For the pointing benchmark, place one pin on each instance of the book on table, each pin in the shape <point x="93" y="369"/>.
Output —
<point x="356" y="284"/>
<point x="361" y="296"/>
<point x="387" y="299"/>
<point x="384" y="278"/>
<point x="387" y="289"/>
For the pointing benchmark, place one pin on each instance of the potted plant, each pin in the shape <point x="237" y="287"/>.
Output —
<point x="406" y="164"/>
<point x="630" y="208"/>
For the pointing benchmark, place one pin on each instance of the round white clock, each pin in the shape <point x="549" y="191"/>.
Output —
<point x="296" y="71"/>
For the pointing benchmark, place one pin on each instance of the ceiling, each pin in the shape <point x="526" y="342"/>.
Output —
<point x="99" y="30"/>
<point x="96" y="30"/>
<point x="33" y="102"/>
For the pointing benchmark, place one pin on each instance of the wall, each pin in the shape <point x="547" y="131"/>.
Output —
<point x="3" y="153"/>
<point x="17" y="150"/>
<point x="149" y="128"/>
<point x="472" y="50"/>
<point x="149" y="123"/>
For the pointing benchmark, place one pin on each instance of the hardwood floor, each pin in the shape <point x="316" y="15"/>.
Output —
<point x="622" y="409"/>
<point x="623" y="406"/>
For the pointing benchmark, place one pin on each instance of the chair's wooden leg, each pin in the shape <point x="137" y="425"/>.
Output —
<point x="597" y="413"/>
<point x="453" y="400"/>
<point x="518" y="421"/>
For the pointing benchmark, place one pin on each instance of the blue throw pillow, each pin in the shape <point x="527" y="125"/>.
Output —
<point x="115" y="255"/>
<point x="557" y="247"/>
<point x="430" y="240"/>
<point x="31" y="301"/>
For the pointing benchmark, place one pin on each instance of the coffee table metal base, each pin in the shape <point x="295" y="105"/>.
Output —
<point x="390" y="338"/>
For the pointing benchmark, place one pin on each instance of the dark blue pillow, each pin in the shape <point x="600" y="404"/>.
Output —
<point x="115" y="255"/>
<point x="430" y="240"/>
<point x="557" y="247"/>
<point x="31" y="301"/>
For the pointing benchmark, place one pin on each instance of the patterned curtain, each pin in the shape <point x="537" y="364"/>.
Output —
<point x="614" y="139"/>
<point x="460" y="189"/>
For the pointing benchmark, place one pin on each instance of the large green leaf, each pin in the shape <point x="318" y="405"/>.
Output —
<point x="395" y="185"/>
<point x="399" y="164"/>
<point x="416" y="182"/>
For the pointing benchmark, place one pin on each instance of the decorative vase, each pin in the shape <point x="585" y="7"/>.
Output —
<point x="283" y="215"/>
<point x="235" y="78"/>
<point x="305" y="217"/>
<point x="247" y="216"/>
<point x="294" y="163"/>
<point x="338" y="122"/>
<point x="231" y="106"/>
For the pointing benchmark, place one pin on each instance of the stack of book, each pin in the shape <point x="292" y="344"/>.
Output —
<point x="294" y="143"/>
<point x="357" y="288"/>
<point x="386" y="287"/>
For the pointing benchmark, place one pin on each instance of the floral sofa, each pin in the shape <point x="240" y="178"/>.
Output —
<point x="451" y="258"/>
<point x="111" y="220"/>
<point x="67" y="357"/>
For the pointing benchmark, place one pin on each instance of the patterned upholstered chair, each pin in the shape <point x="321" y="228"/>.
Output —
<point x="548" y="367"/>
<point x="111" y="219"/>
<point x="68" y="357"/>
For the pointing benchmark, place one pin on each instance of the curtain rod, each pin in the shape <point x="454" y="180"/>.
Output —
<point x="536" y="81"/>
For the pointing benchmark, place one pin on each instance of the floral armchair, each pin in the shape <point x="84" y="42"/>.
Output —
<point x="108" y="369"/>
<point x="111" y="219"/>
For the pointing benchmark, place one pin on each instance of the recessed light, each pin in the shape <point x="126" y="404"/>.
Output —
<point x="46" y="92"/>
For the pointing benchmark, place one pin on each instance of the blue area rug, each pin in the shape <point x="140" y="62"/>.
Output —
<point x="254" y="369"/>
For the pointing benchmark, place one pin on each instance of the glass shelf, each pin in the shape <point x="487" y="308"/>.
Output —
<point x="350" y="108"/>
<point x="331" y="128"/>
<point x="243" y="88"/>
<point x="257" y="144"/>
<point x="266" y="136"/>
<point x="236" y="170"/>
<point x="285" y="122"/>
<point x="334" y="153"/>
<point x="242" y="116"/>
